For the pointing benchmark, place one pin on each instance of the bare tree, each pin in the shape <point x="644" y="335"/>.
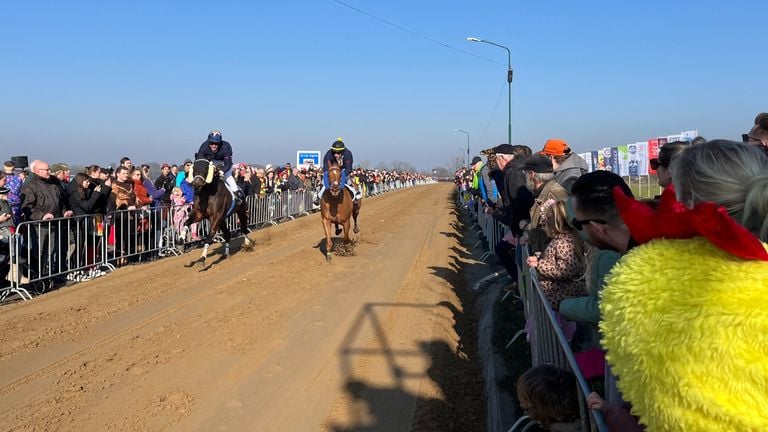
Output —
<point x="402" y="166"/>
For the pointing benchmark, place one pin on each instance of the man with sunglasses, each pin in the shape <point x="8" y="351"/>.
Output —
<point x="598" y="219"/>
<point x="759" y="133"/>
<point x="220" y="153"/>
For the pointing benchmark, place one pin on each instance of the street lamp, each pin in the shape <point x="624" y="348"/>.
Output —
<point x="509" y="83"/>
<point x="467" y="134"/>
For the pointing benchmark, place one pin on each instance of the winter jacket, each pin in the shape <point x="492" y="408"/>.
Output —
<point x="165" y="182"/>
<point x="40" y="196"/>
<point x="82" y="203"/>
<point x="515" y="197"/>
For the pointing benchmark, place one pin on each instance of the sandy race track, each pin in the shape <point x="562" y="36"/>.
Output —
<point x="270" y="340"/>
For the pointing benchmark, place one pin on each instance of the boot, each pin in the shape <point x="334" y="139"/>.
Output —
<point x="316" y="202"/>
<point x="239" y="195"/>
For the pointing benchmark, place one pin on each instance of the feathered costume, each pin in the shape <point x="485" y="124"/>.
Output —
<point x="685" y="319"/>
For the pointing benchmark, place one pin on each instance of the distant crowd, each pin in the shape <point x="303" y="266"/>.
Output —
<point x="663" y="300"/>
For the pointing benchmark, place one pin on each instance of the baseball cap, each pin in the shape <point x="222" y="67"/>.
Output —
<point x="165" y="165"/>
<point x="476" y="159"/>
<point x="59" y="167"/>
<point x="506" y="149"/>
<point x="555" y="147"/>
<point x="538" y="163"/>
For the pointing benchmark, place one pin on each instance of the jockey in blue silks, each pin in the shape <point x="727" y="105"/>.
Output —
<point x="341" y="156"/>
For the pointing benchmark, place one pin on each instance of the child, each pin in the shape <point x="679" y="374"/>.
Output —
<point x="179" y="208"/>
<point x="548" y="395"/>
<point x="562" y="266"/>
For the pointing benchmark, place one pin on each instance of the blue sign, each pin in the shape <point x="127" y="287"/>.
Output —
<point x="305" y="158"/>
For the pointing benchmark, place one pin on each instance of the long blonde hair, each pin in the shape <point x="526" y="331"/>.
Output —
<point x="554" y="221"/>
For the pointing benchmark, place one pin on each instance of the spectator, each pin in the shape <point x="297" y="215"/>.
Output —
<point x="516" y="200"/>
<point x="83" y="201"/>
<point x="257" y="182"/>
<point x="294" y="183"/>
<point x="568" y="166"/>
<point x="243" y="179"/>
<point x="166" y="182"/>
<point x="174" y="172"/>
<point x="180" y="209"/>
<point x="270" y="183"/>
<point x="155" y="193"/>
<point x="43" y="200"/>
<point x="8" y="268"/>
<point x="759" y="133"/>
<point x="662" y="163"/>
<point x="188" y="190"/>
<point x="548" y="395"/>
<point x="561" y="267"/>
<point x="596" y="214"/>
<point x="100" y="177"/>
<point x="540" y="180"/>
<point x="143" y="198"/>
<point x="13" y="182"/>
<point x="126" y="162"/>
<point x="123" y="198"/>
<point x="699" y="363"/>
<point x="180" y="177"/>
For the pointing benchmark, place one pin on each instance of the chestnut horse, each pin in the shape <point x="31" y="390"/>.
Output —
<point x="337" y="206"/>
<point x="213" y="201"/>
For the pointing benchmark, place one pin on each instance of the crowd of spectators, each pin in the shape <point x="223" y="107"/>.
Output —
<point x="125" y="196"/>
<point x="664" y="297"/>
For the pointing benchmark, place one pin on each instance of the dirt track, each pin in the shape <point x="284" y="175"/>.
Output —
<point x="271" y="340"/>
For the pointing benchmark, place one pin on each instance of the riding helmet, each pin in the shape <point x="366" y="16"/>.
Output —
<point x="337" y="146"/>
<point x="214" y="137"/>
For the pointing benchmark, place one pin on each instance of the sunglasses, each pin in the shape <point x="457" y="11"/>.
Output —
<point x="655" y="164"/>
<point x="579" y="224"/>
<point x="747" y="138"/>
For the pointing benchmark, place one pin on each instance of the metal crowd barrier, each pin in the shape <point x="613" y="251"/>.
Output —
<point x="547" y="340"/>
<point x="83" y="247"/>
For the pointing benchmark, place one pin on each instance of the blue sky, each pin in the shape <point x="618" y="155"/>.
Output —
<point x="93" y="81"/>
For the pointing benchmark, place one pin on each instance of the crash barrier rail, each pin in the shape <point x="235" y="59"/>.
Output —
<point x="543" y="330"/>
<point x="83" y="247"/>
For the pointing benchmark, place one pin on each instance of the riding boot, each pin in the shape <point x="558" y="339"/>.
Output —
<point x="240" y="195"/>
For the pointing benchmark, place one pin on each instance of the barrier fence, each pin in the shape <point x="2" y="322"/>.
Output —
<point x="543" y="331"/>
<point x="83" y="247"/>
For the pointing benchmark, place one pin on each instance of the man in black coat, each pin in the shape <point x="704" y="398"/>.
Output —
<point x="220" y="152"/>
<point x="166" y="181"/>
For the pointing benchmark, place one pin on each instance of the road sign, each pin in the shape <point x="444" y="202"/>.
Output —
<point x="306" y="157"/>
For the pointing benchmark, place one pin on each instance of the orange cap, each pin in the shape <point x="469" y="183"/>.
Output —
<point x="555" y="147"/>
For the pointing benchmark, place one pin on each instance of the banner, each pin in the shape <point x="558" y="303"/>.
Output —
<point x="653" y="151"/>
<point x="588" y="159"/>
<point x="638" y="159"/>
<point x="595" y="160"/>
<point x="601" y="160"/>
<point x="608" y="159"/>
<point x="623" y="157"/>
<point x="615" y="160"/>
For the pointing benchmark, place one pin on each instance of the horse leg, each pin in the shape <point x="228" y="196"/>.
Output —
<point x="242" y="216"/>
<point x="347" y="240"/>
<point x="215" y="222"/>
<point x="328" y="241"/>
<point x="355" y="213"/>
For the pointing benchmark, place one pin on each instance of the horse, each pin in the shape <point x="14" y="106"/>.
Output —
<point x="213" y="201"/>
<point x="337" y="205"/>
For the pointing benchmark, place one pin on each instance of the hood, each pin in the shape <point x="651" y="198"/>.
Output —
<point x="573" y="163"/>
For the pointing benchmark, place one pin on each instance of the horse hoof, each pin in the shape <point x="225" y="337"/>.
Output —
<point x="356" y="230"/>
<point x="328" y="257"/>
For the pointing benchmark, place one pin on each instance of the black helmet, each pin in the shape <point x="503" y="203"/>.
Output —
<point x="337" y="146"/>
<point x="214" y="137"/>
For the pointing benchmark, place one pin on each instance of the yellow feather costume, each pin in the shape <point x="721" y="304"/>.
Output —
<point x="685" y="325"/>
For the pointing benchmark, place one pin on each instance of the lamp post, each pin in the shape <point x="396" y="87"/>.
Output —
<point x="509" y="83"/>
<point x="467" y="134"/>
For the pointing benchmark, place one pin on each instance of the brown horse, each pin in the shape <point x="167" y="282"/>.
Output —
<point x="213" y="201"/>
<point x="337" y="206"/>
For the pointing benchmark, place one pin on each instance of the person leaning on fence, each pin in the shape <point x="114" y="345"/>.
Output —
<point x="165" y="181"/>
<point x="83" y="201"/>
<point x="42" y="200"/>
<point x="568" y="166"/>
<point x="123" y="198"/>
<point x="539" y="179"/>
<point x="8" y="268"/>
<point x="515" y="203"/>
<point x="549" y="396"/>
<point x="597" y="219"/>
<point x="700" y="362"/>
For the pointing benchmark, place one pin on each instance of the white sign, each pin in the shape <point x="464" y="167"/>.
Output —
<point x="305" y="158"/>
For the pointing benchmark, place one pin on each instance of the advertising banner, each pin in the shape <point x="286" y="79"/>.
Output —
<point x="608" y="159"/>
<point x="615" y="160"/>
<point x="623" y="157"/>
<point x="595" y="160"/>
<point x="653" y="151"/>
<point x="588" y="159"/>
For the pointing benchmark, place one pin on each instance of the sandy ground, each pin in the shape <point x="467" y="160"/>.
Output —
<point x="270" y="340"/>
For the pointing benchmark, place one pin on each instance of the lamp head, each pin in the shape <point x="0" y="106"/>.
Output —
<point x="473" y="39"/>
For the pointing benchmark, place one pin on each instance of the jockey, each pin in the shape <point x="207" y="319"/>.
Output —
<point x="220" y="152"/>
<point x="341" y="156"/>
